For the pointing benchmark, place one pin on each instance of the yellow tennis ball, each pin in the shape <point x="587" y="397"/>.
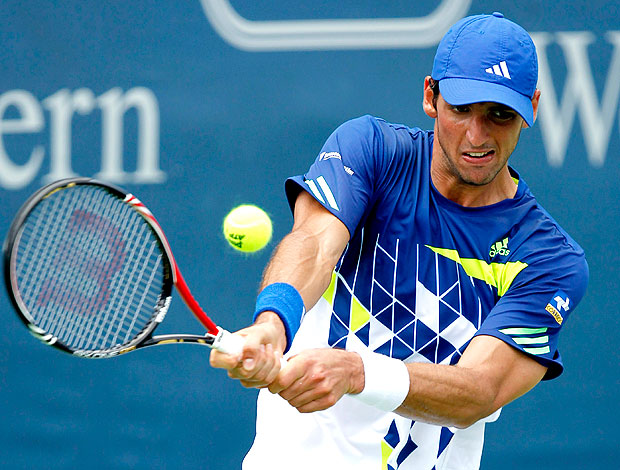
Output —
<point x="247" y="228"/>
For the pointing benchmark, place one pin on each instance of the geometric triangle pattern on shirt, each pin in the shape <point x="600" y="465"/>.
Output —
<point x="429" y="324"/>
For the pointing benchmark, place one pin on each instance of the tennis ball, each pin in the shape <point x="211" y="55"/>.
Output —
<point x="247" y="228"/>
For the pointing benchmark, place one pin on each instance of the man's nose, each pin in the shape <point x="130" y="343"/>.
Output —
<point x="478" y="130"/>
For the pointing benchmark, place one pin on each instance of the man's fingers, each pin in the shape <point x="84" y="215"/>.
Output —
<point x="221" y="360"/>
<point x="259" y="362"/>
<point x="288" y="375"/>
<point x="314" y="379"/>
<point x="259" y="370"/>
<point x="307" y="397"/>
<point x="318" y="404"/>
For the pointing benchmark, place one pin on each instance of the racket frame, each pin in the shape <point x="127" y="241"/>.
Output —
<point x="214" y="338"/>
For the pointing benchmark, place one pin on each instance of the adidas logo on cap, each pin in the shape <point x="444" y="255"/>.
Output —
<point x="500" y="69"/>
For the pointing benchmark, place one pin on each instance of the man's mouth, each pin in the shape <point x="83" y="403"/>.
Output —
<point x="478" y="154"/>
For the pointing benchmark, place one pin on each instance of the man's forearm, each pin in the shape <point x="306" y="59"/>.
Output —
<point x="489" y="375"/>
<point x="447" y="395"/>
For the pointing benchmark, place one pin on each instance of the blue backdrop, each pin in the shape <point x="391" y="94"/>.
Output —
<point x="198" y="106"/>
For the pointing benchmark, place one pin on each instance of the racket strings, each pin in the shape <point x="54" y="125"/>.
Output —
<point x="72" y="248"/>
<point x="72" y="251"/>
<point x="123" y="323"/>
<point x="111" y="326"/>
<point x="89" y="269"/>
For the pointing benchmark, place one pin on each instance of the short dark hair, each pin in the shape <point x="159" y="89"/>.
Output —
<point x="434" y="85"/>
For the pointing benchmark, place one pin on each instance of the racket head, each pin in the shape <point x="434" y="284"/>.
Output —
<point x="87" y="268"/>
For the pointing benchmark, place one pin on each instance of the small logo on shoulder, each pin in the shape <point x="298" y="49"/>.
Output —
<point x="328" y="155"/>
<point x="499" y="248"/>
<point x="560" y="302"/>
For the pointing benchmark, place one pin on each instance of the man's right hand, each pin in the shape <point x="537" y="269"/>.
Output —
<point x="259" y="363"/>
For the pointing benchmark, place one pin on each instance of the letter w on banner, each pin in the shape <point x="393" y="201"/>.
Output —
<point x="579" y="95"/>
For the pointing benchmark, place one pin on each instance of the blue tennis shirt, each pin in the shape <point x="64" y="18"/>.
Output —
<point x="420" y="277"/>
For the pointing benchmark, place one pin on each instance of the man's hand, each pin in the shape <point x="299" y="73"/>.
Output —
<point x="259" y="363"/>
<point x="316" y="379"/>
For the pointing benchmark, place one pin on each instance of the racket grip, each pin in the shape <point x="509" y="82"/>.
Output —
<point x="228" y="343"/>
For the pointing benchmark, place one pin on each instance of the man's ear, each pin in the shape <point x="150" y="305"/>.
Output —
<point x="427" y="100"/>
<point x="535" y="101"/>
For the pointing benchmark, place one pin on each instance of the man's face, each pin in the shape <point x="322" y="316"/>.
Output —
<point x="475" y="141"/>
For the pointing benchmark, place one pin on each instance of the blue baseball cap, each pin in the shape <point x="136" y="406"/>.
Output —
<point x="488" y="58"/>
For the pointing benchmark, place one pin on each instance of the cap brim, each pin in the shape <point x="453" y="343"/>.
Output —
<point x="460" y="91"/>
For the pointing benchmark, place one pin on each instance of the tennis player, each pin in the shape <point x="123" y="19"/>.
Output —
<point x="434" y="284"/>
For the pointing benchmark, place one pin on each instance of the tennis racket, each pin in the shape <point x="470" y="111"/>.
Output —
<point x="90" y="272"/>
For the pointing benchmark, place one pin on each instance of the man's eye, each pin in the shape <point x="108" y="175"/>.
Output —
<point x="501" y="114"/>
<point x="461" y="109"/>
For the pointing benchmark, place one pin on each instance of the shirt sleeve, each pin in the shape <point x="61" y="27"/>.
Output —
<point x="342" y="178"/>
<point x="530" y="315"/>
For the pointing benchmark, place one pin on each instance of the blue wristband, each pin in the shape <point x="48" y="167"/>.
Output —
<point x="284" y="300"/>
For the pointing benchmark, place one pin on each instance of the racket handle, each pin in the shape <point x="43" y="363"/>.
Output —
<point x="228" y="343"/>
